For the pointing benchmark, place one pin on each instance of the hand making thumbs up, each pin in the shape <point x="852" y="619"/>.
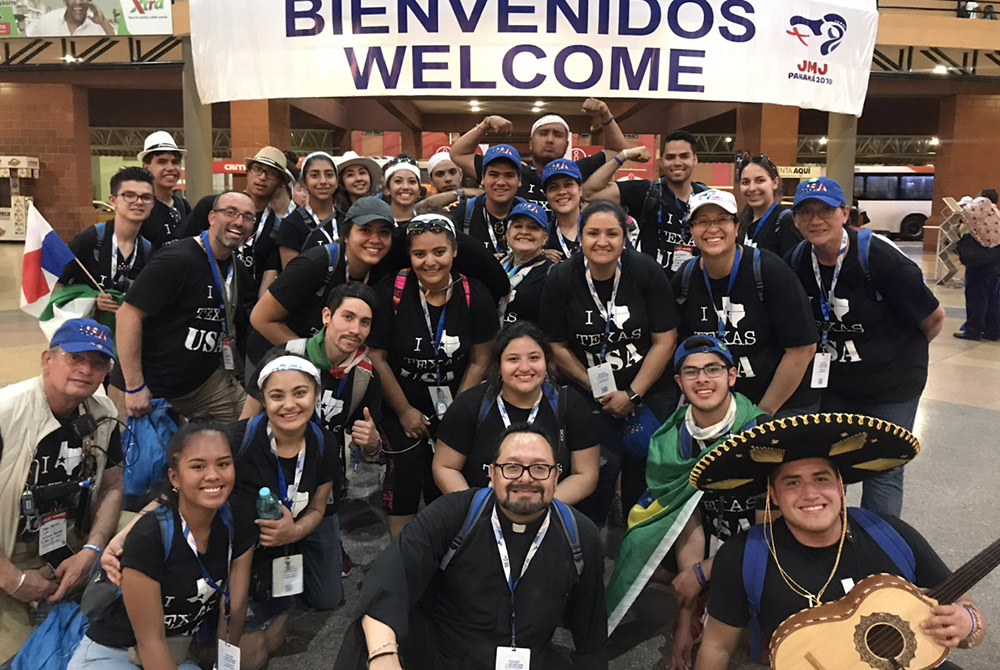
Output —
<point x="364" y="433"/>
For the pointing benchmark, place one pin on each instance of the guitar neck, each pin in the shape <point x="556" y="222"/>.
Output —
<point x="967" y="576"/>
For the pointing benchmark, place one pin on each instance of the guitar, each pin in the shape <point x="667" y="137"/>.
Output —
<point x="876" y="626"/>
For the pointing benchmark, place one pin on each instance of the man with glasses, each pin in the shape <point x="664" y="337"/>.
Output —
<point x="185" y="319"/>
<point x="454" y="589"/>
<point x="60" y="484"/>
<point x="673" y="524"/>
<point x="162" y="157"/>
<point x="875" y="316"/>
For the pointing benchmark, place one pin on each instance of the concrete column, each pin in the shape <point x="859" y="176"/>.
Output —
<point x="197" y="133"/>
<point x="52" y="122"/>
<point x="841" y="152"/>
<point x="255" y="124"/>
<point x="768" y="129"/>
<point x="968" y="145"/>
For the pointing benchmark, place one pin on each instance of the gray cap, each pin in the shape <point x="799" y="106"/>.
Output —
<point x="368" y="209"/>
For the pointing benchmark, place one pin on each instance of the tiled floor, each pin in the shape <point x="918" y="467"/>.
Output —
<point x="953" y="494"/>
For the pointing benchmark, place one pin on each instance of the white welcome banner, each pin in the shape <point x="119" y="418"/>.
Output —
<point x="805" y="53"/>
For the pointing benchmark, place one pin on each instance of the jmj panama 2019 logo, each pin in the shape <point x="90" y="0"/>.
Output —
<point x="828" y="33"/>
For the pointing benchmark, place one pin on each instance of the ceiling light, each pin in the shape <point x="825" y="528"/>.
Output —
<point x="729" y="139"/>
<point x="536" y="109"/>
<point x="934" y="141"/>
<point x="940" y="69"/>
<point x="823" y="140"/>
<point x="538" y="103"/>
<point x="475" y="108"/>
<point x="474" y="103"/>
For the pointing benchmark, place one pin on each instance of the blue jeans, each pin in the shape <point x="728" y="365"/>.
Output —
<point x="883" y="493"/>
<point x="92" y="656"/>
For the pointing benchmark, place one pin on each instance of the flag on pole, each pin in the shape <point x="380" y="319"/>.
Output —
<point x="45" y="256"/>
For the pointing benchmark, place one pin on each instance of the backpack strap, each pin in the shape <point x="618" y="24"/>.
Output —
<point x="475" y="511"/>
<point x="248" y="433"/>
<point x="166" y="518"/>
<point x="397" y="289"/>
<point x="485" y="405"/>
<point x="888" y="540"/>
<point x="362" y="376"/>
<point x="757" y="280"/>
<point x="754" y="567"/>
<point x="800" y="249"/>
<point x="468" y="291"/>
<point x="572" y="532"/>
<point x="470" y="207"/>
<point x="318" y="433"/>
<point x="864" y="247"/>
<point x="686" y="279"/>
<point x="557" y="400"/>
<point x="332" y="256"/>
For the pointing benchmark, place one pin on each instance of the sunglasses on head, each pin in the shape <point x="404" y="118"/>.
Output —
<point x="758" y="159"/>
<point x="429" y="225"/>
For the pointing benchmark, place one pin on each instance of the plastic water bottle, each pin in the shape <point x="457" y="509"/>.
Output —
<point x="268" y="505"/>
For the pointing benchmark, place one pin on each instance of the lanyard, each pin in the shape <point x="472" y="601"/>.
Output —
<point x="720" y="315"/>
<point x="760" y="224"/>
<point x="129" y="262"/>
<point x="319" y="222"/>
<point x="505" y="562"/>
<point x="225" y="299"/>
<point x="489" y="229"/>
<point x="436" y="337"/>
<point x="824" y="301"/>
<point x="531" y="416"/>
<point x="285" y="492"/>
<point x="604" y="312"/>
<point x="562" y="239"/>
<point x="186" y="530"/>
<point x="261" y="222"/>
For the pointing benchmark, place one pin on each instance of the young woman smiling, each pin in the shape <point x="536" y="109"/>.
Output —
<point x="764" y="222"/>
<point x="429" y="342"/>
<point x="526" y="263"/>
<point x="319" y="174"/>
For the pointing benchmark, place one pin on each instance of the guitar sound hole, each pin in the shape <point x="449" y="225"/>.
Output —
<point x="884" y="641"/>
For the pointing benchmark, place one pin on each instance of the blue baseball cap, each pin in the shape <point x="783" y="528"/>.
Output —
<point x="78" y="335"/>
<point x="561" y="166"/>
<point x="530" y="210"/>
<point x="502" y="152"/>
<point x="824" y="189"/>
<point x="702" y="344"/>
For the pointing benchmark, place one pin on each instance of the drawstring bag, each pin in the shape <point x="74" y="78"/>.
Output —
<point x="52" y="645"/>
<point x="144" y="447"/>
<point x="636" y="431"/>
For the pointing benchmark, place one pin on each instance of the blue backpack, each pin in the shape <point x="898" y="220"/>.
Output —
<point x="251" y="429"/>
<point x="756" y="555"/>
<point x="479" y="504"/>
<point x="144" y="446"/>
<point x="864" y="253"/>
<point x="557" y="401"/>
<point x="690" y="265"/>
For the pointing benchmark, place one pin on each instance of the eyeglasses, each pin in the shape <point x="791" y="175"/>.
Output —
<point x="233" y="213"/>
<point x="426" y="224"/>
<point x="130" y="197"/>
<point x="806" y="214"/>
<point x="261" y="171"/>
<point x="96" y="361"/>
<point x="537" y="471"/>
<point x="712" y="371"/>
<point x="713" y="222"/>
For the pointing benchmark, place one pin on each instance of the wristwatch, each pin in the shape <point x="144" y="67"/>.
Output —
<point x="633" y="397"/>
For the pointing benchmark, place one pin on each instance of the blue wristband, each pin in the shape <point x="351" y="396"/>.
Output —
<point x="137" y="388"/>
<point x="618" y="160"/>
<point x="99" y="550"/>
<point x="701" y="575"/>
<point x="608" y="122"/>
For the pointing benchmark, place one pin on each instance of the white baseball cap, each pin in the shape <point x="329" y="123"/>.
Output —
<point x="712" y="196"/>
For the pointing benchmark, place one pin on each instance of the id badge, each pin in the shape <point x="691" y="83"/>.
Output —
<point x="228" y="657"/>
<point x="52" y="532"/>
<point x="441" y="397"/>
<point x="513" y="658"/>
<point x="286" y="576"/>
<point x="602" y="380"/>
<point x="227" y="354"/>
<point x="682" y="254"/>
<point x="821" y="370"/>
<point x="299" y="503"/>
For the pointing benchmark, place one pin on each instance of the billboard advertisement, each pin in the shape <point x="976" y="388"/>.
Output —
<point x="84" y="18"/>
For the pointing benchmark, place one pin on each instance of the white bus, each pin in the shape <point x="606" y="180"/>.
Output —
<point x="896" y="198"/>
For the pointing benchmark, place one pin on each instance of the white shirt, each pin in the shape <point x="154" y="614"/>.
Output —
<point x="53" y="24"/>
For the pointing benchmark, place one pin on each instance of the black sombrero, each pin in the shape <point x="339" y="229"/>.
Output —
<point x="859" y="446"/>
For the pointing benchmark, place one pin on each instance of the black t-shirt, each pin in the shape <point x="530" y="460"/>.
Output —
<point x="810" y="567"/>
<point x="182" y="332"/>
<point x="256" y="466"/>
<point x="186" y="597"/>
<point x="526" y="290"/>
<point x="321" y="235"/>
<point x="402" y="331"/>
<point x="660" y="215"/>
<point x="302" y="287"/>
<point x="472" y="217"/>
<point x="165" y="221"/>
<point x="531" y="178"/>
<point x="724" y="515"/>
<point x="295" y="228"/>
<point x="644" y="305"/>
<point x="557" y="240"/>
<point x="776" y="232"/>
<point x="94" y="250"/>
<point x="462" y="430"/>
<point x="256" y="252"/>
<point x="758" y="332"/>
<point x="879" y="352"/>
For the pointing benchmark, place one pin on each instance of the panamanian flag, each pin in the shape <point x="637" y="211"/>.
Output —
<point x="45" y="256"/>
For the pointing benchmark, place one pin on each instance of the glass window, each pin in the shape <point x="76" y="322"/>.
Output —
<point x="859" y="186"/>
<point x="882" y="187"/>
<point x="919" y="187"/>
